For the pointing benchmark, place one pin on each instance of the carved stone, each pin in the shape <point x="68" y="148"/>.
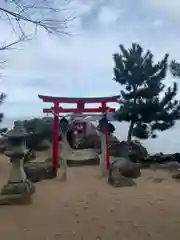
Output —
<point x="19" y="189"/>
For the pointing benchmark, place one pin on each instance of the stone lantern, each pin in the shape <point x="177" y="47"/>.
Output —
<point x="64" y="125"/>
<point x="103" y="125"/>
<point x="18" y="189"/>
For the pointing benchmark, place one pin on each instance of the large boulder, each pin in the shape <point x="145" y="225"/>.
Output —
<point x="94" y="141"/>
<point x="122" y="169"/>
<point x="133" y="150"/>
<point x="138" y="151"/>
<point x="114" y="146"/>
<point x="44" y="145"/>
<point x="90" y="141"/>
<point x="38" y="171"/>
<point x="126" y="167"/>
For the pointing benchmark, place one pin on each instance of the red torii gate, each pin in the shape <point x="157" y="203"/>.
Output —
<point x="57" y="109"/>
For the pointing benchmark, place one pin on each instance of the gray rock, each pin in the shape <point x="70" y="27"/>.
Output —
<point x="125" y="167"/>
<point x="117" y="180"/>
<point x="38" y="171"/>
<point x="177" y="174"/>
<point x="122" y="171"/>
<point x="157" y="180"/>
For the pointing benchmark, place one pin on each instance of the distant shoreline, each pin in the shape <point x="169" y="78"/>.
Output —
<point x="9" y="121"/>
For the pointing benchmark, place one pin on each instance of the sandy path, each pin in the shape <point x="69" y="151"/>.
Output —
<point x="86" y="207"/>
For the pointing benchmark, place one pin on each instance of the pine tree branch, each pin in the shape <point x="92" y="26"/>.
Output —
<point x="175" y="68"/>
<point x="10" y="45"/>
<point x="50" y="25"/>
<point x="142" y="80"/>
<point x="43" y="14"/>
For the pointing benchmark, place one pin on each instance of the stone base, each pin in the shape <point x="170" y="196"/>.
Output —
<point x="121" y="182"/>
<point x="17" y="193"/>
<point x="103" y="170"/>
<point x="62" y="175"/>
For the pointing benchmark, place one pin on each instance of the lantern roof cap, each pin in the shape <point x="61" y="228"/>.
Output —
<point x="17" y="131"/>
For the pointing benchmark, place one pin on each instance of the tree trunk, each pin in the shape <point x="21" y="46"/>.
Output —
<point x="132" y="122"/>
<point x="130" y="131"/>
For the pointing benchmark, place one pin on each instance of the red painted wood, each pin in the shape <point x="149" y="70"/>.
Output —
<point x="55" y="137"/>
<point x="80" y="106"/>
<point x="75" y="110"/>
<point x="103" y="104"/>
<point x="76" y="100"/>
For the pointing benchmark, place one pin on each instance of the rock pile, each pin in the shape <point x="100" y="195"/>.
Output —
<point x="162" y="161"/>
<point x="116" y="148"/>
<point x="163" y="158"/>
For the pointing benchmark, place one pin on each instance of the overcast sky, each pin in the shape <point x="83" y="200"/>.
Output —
<point x="81" y="65"/>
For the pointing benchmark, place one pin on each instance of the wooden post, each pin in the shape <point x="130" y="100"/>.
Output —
<point x="65" y="150"/>
<point x="55" y="137"/>
<point x="107" y="144"/>
<point x="63" y="161"/>
<point x="107" y="150"/>
<point x="103" y="155"/>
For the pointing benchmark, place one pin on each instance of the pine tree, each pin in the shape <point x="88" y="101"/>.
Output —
<point x="175" y="68"/>
<point x="2" y="97"/>
<point x="146" y="103"/>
